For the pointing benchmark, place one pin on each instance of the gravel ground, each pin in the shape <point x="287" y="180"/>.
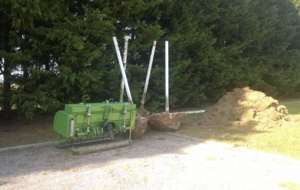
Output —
<point x="156" y="161"/>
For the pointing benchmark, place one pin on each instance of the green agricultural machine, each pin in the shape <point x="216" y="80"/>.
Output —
<point x="86" y="123"/>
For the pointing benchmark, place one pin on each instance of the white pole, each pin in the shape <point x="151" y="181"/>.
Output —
<point x="191" y="112"/>
<point x="167" y="76"/>
<point x="124" y="63"/>
<point x="122" y="70"/>
<point x="148" y="74"/>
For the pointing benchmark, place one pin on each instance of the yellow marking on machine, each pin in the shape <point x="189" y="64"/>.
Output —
<point x="131" y="125"/>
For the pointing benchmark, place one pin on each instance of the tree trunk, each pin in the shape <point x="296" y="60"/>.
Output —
<point x="25" y="71"/>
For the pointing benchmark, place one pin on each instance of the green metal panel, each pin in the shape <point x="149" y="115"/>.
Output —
<point x="112" y="112"/>
<point x="62" y="123"/>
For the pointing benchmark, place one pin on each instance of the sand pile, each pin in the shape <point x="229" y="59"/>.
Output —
<point x="247" y="108"/>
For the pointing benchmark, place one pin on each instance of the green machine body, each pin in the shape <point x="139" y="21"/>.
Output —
<point x="90" y="122"/>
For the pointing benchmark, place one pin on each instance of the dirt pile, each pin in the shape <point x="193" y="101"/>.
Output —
<point x="247" y="108"/>
<point x="166" y="121"/>
<point x="140" y="123"/>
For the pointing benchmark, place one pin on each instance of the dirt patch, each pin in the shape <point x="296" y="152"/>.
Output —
<point x="14" y="131"/>
<point x="244" y="108"/>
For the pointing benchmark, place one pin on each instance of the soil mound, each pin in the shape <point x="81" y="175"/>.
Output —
<point x="166" y="121"/>
<point x="140" y="123"/>
<point x="247" y="108"/>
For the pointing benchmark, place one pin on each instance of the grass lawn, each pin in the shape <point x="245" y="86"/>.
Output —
<point x="278" y="140"/>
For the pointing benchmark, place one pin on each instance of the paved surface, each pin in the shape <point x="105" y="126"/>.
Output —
<point x="156" y="161"/>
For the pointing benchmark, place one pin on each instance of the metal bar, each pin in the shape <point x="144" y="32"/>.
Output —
<point x="99" y="147"/>
<point x="71" y="128"/>
<point x="167" y="75"/>
<point x="125" y="51"/>
<point x="191" y="112"/>
<point x="148" y="74"/>
<point x="26" y="146"/>
<point x="124" y="63"/>
<point x="122" y="70"/>
<point x="85" y="141"/>
<point x="131" y="125"/>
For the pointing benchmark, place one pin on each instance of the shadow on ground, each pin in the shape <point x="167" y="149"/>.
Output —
<point x="48" y="158"/>
<point x="219" y="133"/>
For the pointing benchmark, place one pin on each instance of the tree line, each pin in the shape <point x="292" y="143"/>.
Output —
<point x="65" y="52"/>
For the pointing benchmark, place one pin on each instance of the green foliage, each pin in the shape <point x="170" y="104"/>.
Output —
<point x="257" y="37"/>
<point x="66" y="54"/>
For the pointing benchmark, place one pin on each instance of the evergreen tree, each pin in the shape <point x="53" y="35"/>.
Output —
<point x="138" y="20"/>
<point x="16" y="16"/>
<point x="65" y="62"/>
<point x="254" y="38"/>
<point x="280" y="53"/>
<point x="66" y="53"/>
<point x="193" y="60"/>
<point x="70" y="54"/>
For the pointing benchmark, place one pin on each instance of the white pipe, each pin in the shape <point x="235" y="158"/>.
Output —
<point x="125" y="51"/>
<point x="124" y="63"/>
<point x="191" y="112"/>
<point x="122" y="70"/>
<point x="148" y="74"/>
<point x="167" y="75"/>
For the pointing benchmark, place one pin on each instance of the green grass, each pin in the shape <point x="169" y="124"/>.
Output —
<point x="2" y="182"/>
<point x="293" y="105"/>
<point x="210" y="158"/>
<point x="278" y="140"/>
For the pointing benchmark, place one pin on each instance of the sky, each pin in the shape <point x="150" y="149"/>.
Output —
<point x="17" y="71"/>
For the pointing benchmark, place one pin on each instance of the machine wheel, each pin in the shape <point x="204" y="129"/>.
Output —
<point x="110" y="128"/>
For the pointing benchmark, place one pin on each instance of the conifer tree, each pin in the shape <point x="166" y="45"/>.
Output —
<point x="65" y="63"/>
<point x="16" y="17"/>
<point x="254" y="37"/>
<point x="138" y="20"/>
<point x="192" y="56"/>
<point x="66" y="53"/>
<point x="283" y="50"/>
